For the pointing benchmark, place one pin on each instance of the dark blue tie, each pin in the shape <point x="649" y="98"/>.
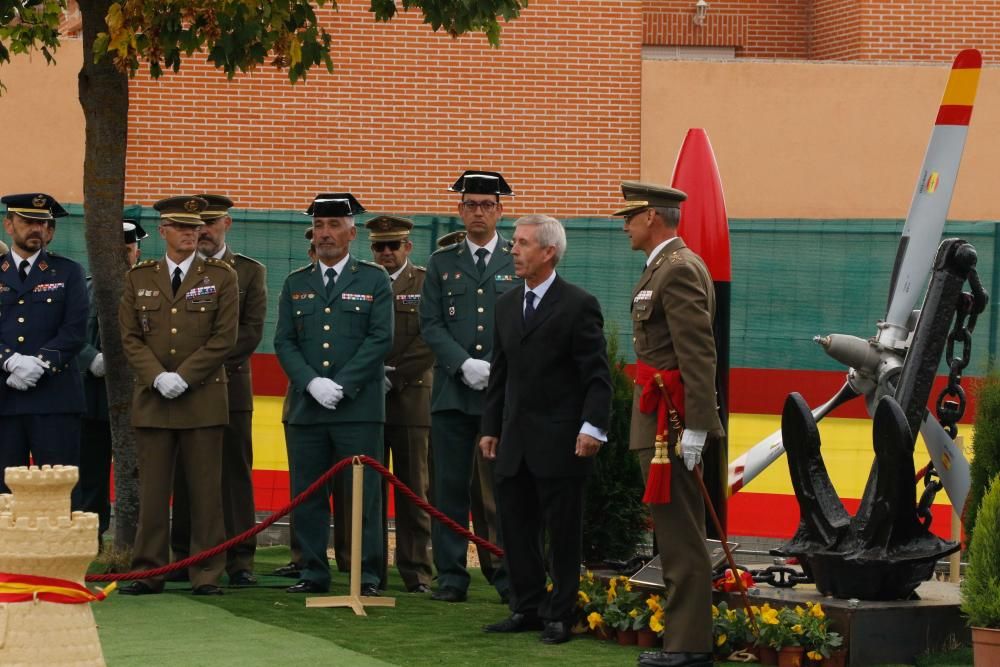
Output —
<point x="22" y="269"/>
<point x="529" y="308"/>
<point x="481" y="262"/>
<point x="331" y="278"/>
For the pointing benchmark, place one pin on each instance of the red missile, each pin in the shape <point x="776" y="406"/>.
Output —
<point x="705" y="229"/>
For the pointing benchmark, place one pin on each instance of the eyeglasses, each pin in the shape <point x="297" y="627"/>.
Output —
<point x="486" y="206"/>
<point x="379" y="246"/>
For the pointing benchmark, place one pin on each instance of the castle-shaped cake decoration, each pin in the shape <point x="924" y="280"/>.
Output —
<point x="45" y="615"/>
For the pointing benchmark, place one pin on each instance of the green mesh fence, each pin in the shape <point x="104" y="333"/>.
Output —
<point x="792" y="279"/>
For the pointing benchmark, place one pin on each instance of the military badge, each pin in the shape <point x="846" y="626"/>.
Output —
<point x="39" y="201"/>
<point x="444" y="276"/>
<point x="48" y="287"/>
<point x="458" y="275"/>
<point x="356" y="297"/>
<point x="451" y="311"/>
<point x="5" y="265"/>
<point x="4" y="288"/>
<point x="191" y="206"/>
<point x="643" y="295"/>
<point x="43" y="266"/>
<point x="504" y="277"/>
<point x="408" y="299"/>
<point x="195" y="292"/>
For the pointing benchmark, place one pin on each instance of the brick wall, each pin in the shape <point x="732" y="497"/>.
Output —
<point x="883" y="30"/>
<point x="556" y="109"/>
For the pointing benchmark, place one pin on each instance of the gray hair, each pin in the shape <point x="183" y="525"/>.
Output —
<point x="671" y="216"/>
<point x="550" y="234"/>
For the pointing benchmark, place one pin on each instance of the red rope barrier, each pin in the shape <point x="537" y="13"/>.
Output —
<point x="298" y="500"/>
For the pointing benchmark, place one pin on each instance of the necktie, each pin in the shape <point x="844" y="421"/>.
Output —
<point x="529" y="308"/>
<point x="176" y="282"/>
<point x="481" y="262"/>
<point x="331" y="278"/>
<point x="22" y="269"/>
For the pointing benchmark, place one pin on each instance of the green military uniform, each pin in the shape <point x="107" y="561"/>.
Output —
<point x="189" y="332"/>
<point x="342" y="333"/>
<point x="456" y="320"/>
<point x="237" y="447"/>
<point x="673" y="306"/>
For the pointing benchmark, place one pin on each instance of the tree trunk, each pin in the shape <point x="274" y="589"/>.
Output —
<point x="104" y="97"/>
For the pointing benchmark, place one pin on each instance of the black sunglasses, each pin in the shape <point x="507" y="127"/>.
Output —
<point x="379" y="246"/>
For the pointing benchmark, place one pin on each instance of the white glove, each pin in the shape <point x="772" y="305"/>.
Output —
<point x="170" y="385"/>
<point x="15" y="382"/>
<point x="692" y="442"/>
<point x="386" y="380"/>
<point x="326" y="392"/>
<point x="476" y="373"/>
<point x="97" y="365"/>
<point x="26" y="367"/>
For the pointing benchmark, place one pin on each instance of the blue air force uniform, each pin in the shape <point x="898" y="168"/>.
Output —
<point x="42" y="316"/>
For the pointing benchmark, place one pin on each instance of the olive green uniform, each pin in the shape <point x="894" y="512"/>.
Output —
<point x="456" y="321"/>
<point x="407" y="426"/>
<point x="190" y="333"/>
<point x="673" y="306"/>
<point x="343" y="334"/>
<point x="237" y="446"/>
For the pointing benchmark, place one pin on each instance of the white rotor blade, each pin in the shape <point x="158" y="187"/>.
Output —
<point x="949" y="461"/>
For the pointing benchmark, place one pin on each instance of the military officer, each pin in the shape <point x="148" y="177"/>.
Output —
<point x="95" y="428"/>
<point x="407" y="399"/>
<point x="334" y="331"/>
<point x="237" y="441"/>
<point x="179" y="317"/>
<point x="673" y="306"/>
<point x="43" y="325"/>
<point x="451" y="238"/>
<point x="456" y="319"/>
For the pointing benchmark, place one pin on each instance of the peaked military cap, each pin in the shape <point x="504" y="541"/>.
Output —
<point x="218" y="206"/>
<point x="335" y="205"/>
<point x="645" y="195"/>
<point x="182" y="210"/>
<point x="451" y="238"/>
<point x="133" y="231"/>
<point x="388" y="228"/>
<point x="34" y="206"/>
<point x="474" y="182"/>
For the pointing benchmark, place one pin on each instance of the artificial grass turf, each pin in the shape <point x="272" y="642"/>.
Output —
<point x="264" y="625"/>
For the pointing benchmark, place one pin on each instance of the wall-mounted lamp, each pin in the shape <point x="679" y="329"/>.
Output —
<point x="700" y="13"/>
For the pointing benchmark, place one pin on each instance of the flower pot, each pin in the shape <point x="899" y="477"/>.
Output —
<point x="626" y="637"/>
<point x="647" y="638"/>
<point x="985" y="647"/>
<point x="603" y="633"/>
<point x="790" y="656"/>
<point x="768" y="655"/>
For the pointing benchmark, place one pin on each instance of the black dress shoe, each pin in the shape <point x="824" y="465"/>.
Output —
<point x="290" y="570"/>
<point x="556" y="632"/>
<point x="675" y="659"/>
<point x="242" y="578"/>
<point x="306" y="586"/>
<point x="449" y="594"/>
<point x="207" y="589"/>
<point x="138" y="588"/>
<point x="369" y="590"/>
<point x="419" y="588"/>
<point x="515" y="623"/>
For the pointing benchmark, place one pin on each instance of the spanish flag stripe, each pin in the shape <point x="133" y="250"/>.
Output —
<point x="961" y="89"/>
<point x="953" y="115"/>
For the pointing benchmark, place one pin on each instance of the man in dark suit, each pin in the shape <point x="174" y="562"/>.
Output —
<point x="547" y="412"/>
<point x="43" y="301"/>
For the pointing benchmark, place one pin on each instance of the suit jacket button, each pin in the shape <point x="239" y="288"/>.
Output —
<point x="298" y="312"/>
<point x="21" y="320"/>
<point x="20" y="302"/>
<point x="479" y="348"/>
<point x="326" y="363"/>
<point x="326" y="346"/>
<point x="358" y="308"/>
<point x="203" y="309"/>
<point x="479" y="291"/>
<point x="480" y="309"/>
<point x="173" y="331"/>
<point x="326" y="327"/>
<point x="20" y="339"/>
<point x="48" y="301"/>
<point x="480" y="328"/>
<point x="172" y="310"/>
<point x="326" y="310"/>
<point x="172" y="351"/>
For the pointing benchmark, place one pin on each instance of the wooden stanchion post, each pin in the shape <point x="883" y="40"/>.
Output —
<point x="355" y="600"/>
<point x="955" y="560"/>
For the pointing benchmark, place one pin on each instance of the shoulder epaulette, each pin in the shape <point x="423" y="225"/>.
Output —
<point x="421" y="269"/>
<point x="146" y="263"/>
<point x="211" y="261"/>
<point x="372" y="265"/>
<point x="447" y="248"/>
<point x="301" y="269"/>
<point x="244" y="257"/>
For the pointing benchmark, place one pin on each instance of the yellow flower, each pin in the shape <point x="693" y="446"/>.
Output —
<point x="799" y="610"/>
<point x="715" y="611"/>
<point x="797" y="629"/>
<point x="656" y="622"/>
<point x="548" y="587"/>
<point x="817" y="611"/>
<point x="634" y="613"/>
<point x="731" y="614"/>
<point x="589" y="575"/>
<point x="755" y="610"/>
<point x="814" y="655"/>
<point x="582" y="598"/>
<point x="595" y="620"/>
<point x="769" y="616"/>
<point x="653" y="602"/>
